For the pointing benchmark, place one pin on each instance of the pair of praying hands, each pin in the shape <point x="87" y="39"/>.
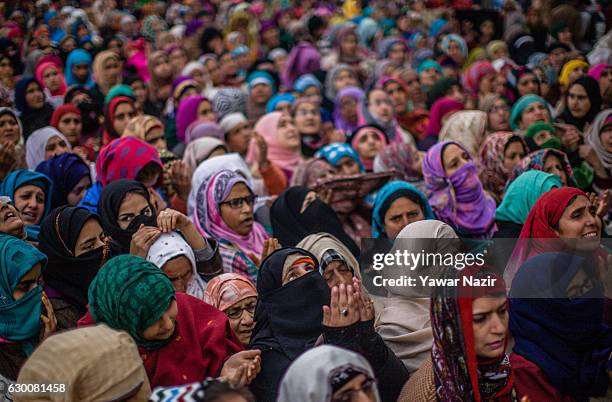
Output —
<point x="348" y="305"/>
<point x="603" y="202"/>
<point x="168" y="220"/>
<point x="241" y="368"/>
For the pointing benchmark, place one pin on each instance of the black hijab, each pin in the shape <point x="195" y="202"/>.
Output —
<point x="65" y="273"/>
<point x="591" y="86"/>
<point x="108" y="207"/>
<point x="32" y="119"/>
<point x="288" y="317"/>
<point x="290" y="226"/>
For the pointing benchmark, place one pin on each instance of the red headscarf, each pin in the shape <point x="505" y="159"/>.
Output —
<point x="40" y="73"/>
<point x="545" y="214"/>
<point x="123" y="158"/>
<point x="109" y="118"/>
<point x="61" y="111"/>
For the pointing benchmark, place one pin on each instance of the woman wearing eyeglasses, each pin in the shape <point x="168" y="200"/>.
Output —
<point x="224" y="211"/>
<point x="236" y="296"/>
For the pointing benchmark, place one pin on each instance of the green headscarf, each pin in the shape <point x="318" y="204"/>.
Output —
<point x="19" y="319"/>
<point x="535" y="128"/>
<point x="523" y="193"/>
<point x="119" y="90"/>
<point x="520" y="105"/>
<point x="129" y="293"/>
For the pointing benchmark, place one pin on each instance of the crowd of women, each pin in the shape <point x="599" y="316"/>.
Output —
<point x="185" y="188"/>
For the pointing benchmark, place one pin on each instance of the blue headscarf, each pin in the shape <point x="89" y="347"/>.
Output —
<point x="566" y="338"/>
<point x="278" y="98"/>
<point x="437" y="26"/>
<point x="78" y="56"/>
<point x="56" y="34"/>
<point x="65" y="172"/>
<point x="458" y="40"/>
<point x="427" y="64"/>
<point x="391" y="192"/>
<point x="306" y="81"/>
<point x="336" y="151"/>
<point x="260" y="77"/>
<point x="19" y="319"/>
<point x="20" y="178"/>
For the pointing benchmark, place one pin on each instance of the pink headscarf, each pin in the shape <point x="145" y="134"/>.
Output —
<point x="474" y="74"/>
<point x="596" y="70"/>
<point x="267" y="127"/>
<point x="40" y="72"/>
<point x="439" y="109"/>
<point x="207" y="215"/>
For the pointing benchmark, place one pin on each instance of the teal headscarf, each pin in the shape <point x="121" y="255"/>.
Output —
<point x="427" y="64"/>
<point x="19" y="319"/>
<point x="520" y="105"/>
<point x="119" y="90"/>
<point x="20" y="178"/>
<point x="130" y="294"/>
<point x="391" y="192"/>
<point x="523" y="193"/>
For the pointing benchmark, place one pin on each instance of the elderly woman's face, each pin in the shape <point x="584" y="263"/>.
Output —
<point x="240" y="316"/>
<point x="532" y="113"/>
<point x="9" y="129"/>
<point x="499" y="116"/>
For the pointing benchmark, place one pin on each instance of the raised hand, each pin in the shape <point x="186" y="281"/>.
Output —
<point x="143" y="239"/>
<point x="343" y="309"/>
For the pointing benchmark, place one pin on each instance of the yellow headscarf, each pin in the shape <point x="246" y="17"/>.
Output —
<point x="568" y="68"/>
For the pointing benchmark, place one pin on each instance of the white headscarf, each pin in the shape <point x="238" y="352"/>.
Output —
<point x="209" y="167"/>
<point x="172" y="245"/>
<point x="593" y="138"/>
<point x="37" y="142"/>
<point x="404" y="323"/>
<point x="308" y="379"/>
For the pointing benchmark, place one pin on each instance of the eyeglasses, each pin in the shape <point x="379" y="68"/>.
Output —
<point x="237" y="312"/>
<point x="351" y="395"/>
<point x="238" y="203"/>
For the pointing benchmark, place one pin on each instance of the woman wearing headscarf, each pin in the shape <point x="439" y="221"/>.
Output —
<point x="519" y="198"/>
<point x="562" y="220"/>
<point x="498" y="155"/>
<point x="148" y="129"/>
<point x="549" y="161"/>
<point x="30" y="193"/>
<point x="470" y="333"/>
<point x="346" y="49"/>
<point x="180" y="338"/>
<point x="26" y="316"/>
<point x="571" y="71"/>
<point x="542" y="135"/>
<point x="466" y="127"/>
<point x="582" y="103"/>
<point x="11" y="137"/>
<point x="334" y="373"/>
<point x="236" y="297"/>
<point x="71" y="177"/>
<point x="404" y="322"/>
<point x="298" y="212"/>
<point x="78" y="68"/>
<point x="307" y="117"/>
<point x="479" y="81"/>
<point x="190" y="109"/>
<point x="107" y="68"/>
<point x="304" y="58"/>
<point x="44" y="144"/>
<point x="441" y="110"/>
<point x="556" y="358"/>
<point x="338" y="78"/>
<point x="124" y="158"/>
<point x="345" y="108"/>
<point x="35" y="112"/>
<point x="367" y="141"/>
<point x="94" y="362"/>
<point x="51" y="77"/>
<point x="527" y="110"/>
<point x="283" y="147"/>
<point x="68" y="119"/>
<point x="454" y="46"/>
<point x="201" y="149"/>
<point x="73" y="241"/>
<point x="288" y="283"/>
<point x="599" y="137"/>
<point x="398" y="204"/>
<point x="410" y="116"/>
<point x="404" y="160"/>
<point x="117" y="113"/>
<point x="377" y="108"/>
<point x="455" y="191"/>
<point x="224" y="211"/>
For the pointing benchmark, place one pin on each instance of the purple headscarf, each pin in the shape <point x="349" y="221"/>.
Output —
<point x="459" y="199"/>
<point x="207" y="215"/>
<point x="303" y="59"/>
<point x="187" y="113"/>
<point x="339" y="122"/>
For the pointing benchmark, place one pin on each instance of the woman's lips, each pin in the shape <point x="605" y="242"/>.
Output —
<point x="496" y="345"/>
